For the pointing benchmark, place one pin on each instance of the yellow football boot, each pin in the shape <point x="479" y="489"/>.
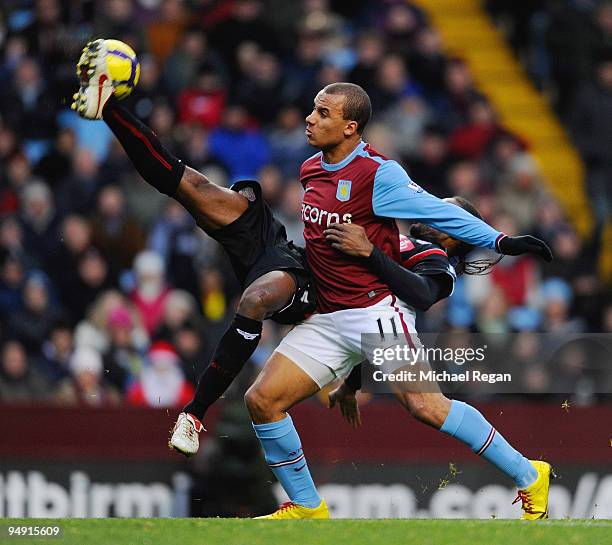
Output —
<point x="290" y="510"/>
<point x="535" y="497"/>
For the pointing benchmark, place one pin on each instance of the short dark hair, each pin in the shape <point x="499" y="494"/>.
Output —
<point x="462" y="202"/>
<point x="357" y="106"/>
<point x="475" y="266"/>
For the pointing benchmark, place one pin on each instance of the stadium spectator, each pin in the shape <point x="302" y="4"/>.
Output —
<point x="124" y="357"/>
<point x="520" y="191"/>
<point x="405" y="121"/>
<point x="8" y="148"/>
<point x="492" y="318"/>
<point x="151" y="291"/>
<point x="44" y="32"/>
<point x="30" y="106"/>
<point x="272" y="184"/>
<point x="242" y="151"/>
<point x="288" y="148"/>
<point x="401" y="24"/>
<point x="193" y="347"/>
<point x="203" y="101"/>
<point x="63" y="269"/>
<point x="11" y="239"/>
<point x="78" y="192"/>
<point x="245" y="20"/>
<point x="54" y="363"/>
<point x="430" y="162"/>
<point x="88" y="386"/>
<point x="464" y="180"/>
<point x="290" y="212"/>
<point x="191" y="57"/>
<point x="11" y="283"/>
<point x="56" y="164"/>
<point x="460" y="93"/>
<point x="392" y="84"/>
<point x="370" y="48"/>
<point x="114" y="232"/>
<point x="92" y="331"/>
<point x="174" y="237"/>
<point x="592" y="130"/>
<point x="17" y="177"/>
<point x="32" y="323"/>
<point x="166" y="27"/>
<point x="40" y="222"/>
<point x="557" y="303"/>
<point x="19" y="380"/>
<point x="93" y="279"/>
<point x="117" y="19"/>
<point x="471" y="139"/>
<point x="260" y="90"/>
<point x="303" y="66"/>
<point x="161" y="383"/>
<point x="180" y="310"/>
<point x="427" y="62"/>
<point x="213" y="299"/>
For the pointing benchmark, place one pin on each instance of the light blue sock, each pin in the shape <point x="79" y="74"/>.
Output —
<point x="284" y="454"/>
<point x="465" y="423"/>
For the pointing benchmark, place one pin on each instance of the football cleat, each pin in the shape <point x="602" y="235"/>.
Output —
<point x="290" y="510"/>
<point x="185" y="434"/>
<point x="96" y="84"/>
<point x="534" y="498"/>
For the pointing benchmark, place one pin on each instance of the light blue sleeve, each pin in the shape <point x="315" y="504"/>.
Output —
<point x="395" y="195"/>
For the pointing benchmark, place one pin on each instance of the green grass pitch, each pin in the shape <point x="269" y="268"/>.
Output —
<point x="332" y="532"/>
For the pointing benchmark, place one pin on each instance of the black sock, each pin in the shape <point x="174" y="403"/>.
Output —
<point x="152" y="161"/>
<point x="235" y="348"/>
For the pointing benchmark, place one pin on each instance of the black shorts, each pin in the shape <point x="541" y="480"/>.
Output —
<point x="256" y="244"/>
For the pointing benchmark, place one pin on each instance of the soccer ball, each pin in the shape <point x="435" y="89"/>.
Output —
<point x="122" y="66"/>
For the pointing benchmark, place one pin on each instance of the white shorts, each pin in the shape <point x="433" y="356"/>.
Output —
<point x="328" y="346"/>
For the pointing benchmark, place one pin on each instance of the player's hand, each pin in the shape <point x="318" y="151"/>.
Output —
<point x="350" y="239"/>
<point x="524" y="245"/>
<point x="344" y="397"/>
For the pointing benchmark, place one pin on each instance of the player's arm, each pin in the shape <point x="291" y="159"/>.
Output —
<point x="416" y="290"/>
<point x="395" y="195"/>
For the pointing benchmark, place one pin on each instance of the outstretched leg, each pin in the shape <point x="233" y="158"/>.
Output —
<point x="211" y="206"/>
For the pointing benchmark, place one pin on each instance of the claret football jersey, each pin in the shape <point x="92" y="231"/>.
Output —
<point x="370" y="190"/>
<point x="342" y="193"/>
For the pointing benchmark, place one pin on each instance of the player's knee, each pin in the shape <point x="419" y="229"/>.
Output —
<point x="256" y="303"/>
<point x="258" y="405"/>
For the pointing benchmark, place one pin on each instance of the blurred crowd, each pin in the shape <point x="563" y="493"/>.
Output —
<point x="108" y="291"/>
<point x="566" y="46"/>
